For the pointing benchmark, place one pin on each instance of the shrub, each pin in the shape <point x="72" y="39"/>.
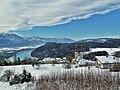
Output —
<point x="116" y="67"/>
<point x="21" y="78"/>
<point x="6" y="75"/>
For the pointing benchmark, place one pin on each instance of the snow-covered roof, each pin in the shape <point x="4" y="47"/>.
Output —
<point x="48" y="59"/>
<point x="84" y="61"/>
<point x="105" y="59"/>
<point x="53" y="59"/>
<point x="59" y="59"/>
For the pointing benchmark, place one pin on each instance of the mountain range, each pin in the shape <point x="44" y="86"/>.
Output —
<point x="52" y="47"/>
<point x="13" y="40"/>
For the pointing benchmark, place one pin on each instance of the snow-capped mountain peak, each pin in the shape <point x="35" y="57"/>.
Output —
<point x="15" y="40"/>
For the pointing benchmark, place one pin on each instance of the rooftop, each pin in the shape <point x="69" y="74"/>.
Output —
<point x="105" y="59"/>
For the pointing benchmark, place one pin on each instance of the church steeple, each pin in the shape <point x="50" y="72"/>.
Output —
<point x="81" y="52"/>
<point x="76" y="54"/>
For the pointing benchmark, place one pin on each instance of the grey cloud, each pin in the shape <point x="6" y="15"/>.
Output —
<point x="21" y="14"/>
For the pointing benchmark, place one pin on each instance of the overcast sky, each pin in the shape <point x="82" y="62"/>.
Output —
<point x="74" y="19"/>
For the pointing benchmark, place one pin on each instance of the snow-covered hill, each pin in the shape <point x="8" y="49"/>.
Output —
<point x="96" y="40"/>
<point x="109" y="50"/>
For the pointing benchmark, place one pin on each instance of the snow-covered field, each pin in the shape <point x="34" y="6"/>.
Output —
<point x="45" y="69"/>
<point x="109" y="50"/>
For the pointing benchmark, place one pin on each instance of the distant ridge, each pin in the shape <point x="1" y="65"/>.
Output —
<point x="15" y="40"/>
<point x="97" y="40"/>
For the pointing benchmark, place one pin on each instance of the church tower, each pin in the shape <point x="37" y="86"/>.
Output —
<point x="76" y="54"/>
<point x="81" y="52"/>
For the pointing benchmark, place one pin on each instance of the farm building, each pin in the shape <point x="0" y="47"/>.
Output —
<point x="105" y="62"/>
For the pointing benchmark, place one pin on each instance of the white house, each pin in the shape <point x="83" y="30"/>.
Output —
<point x="105" y="61"/>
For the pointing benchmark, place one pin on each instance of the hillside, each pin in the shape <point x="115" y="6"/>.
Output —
<point x="67" y="50"/>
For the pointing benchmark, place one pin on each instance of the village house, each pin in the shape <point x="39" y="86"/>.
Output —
<point x="62" y="61"/>
<point x="48" y="60"/>
<point x="55" y="60"/>
<point x="105" y="62"/>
